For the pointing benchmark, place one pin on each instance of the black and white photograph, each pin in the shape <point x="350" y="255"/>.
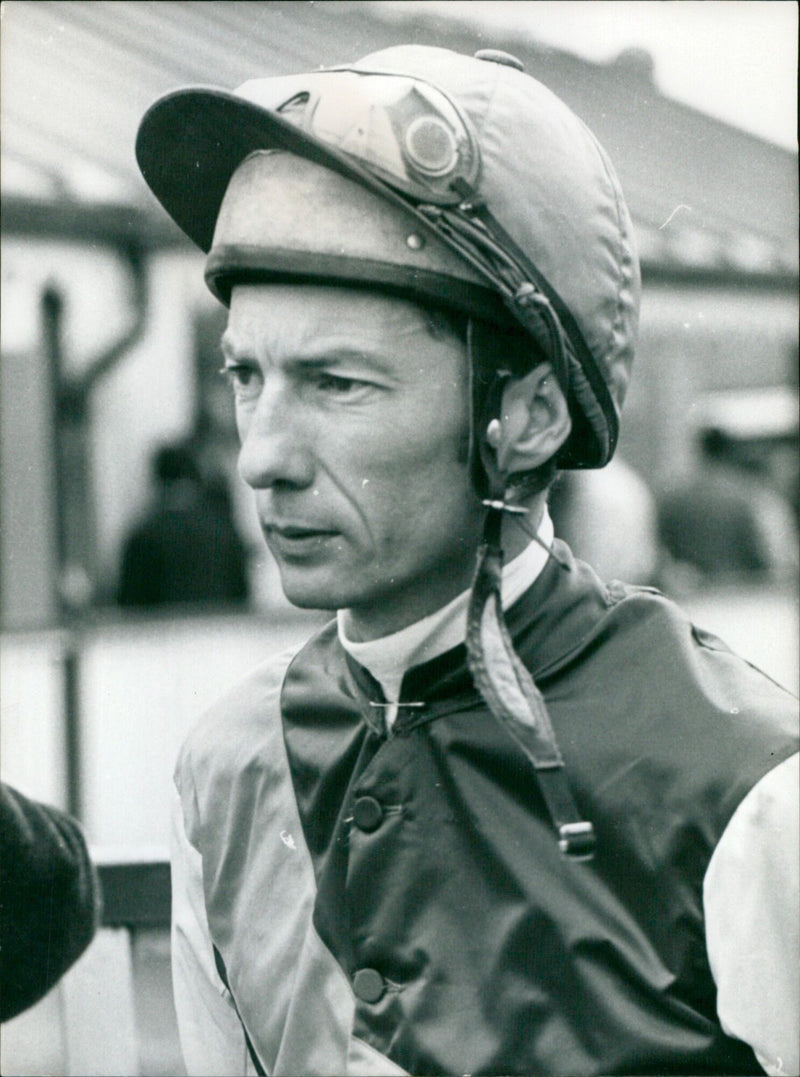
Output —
<point x="399" y="558"/>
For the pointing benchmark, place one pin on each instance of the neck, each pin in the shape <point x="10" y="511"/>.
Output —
<point x="384" y="619"/>
<point x="518" y="531"/>
<point x="362" y="625"/>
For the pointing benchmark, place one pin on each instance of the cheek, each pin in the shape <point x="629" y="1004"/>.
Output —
<point x="408" y="462"/>
<point x="431" y="431"/>
<point x="433" y="468"/>
<point x="416" y="495"/>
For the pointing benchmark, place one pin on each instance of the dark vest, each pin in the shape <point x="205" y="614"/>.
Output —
<point x="472" y="944"/>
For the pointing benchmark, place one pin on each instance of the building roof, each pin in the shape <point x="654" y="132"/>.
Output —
<point x="77" y="77"/>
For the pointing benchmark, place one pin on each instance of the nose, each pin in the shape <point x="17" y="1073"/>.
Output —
<point x="274" y="448"/>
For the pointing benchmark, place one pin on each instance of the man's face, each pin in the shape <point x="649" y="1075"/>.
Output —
<point x="353" y="418"/>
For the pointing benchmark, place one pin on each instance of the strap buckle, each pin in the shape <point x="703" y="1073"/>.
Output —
<point x="577" y="840"/>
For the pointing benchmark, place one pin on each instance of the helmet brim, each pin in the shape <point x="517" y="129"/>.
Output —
<point x="191" y="141"/>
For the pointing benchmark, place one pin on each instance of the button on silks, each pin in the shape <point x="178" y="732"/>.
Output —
<point x="369" y="985"/>
<point x="367" y="814"/>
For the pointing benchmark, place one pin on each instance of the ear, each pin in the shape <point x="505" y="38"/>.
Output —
<point x="534" y="421"/>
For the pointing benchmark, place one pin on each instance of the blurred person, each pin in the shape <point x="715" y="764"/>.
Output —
<point x="498" y="816"/>
<point x="608" y="517"/>
<point x="186" y="549"/>
<point x="778" y="459"/>
<point x="728" y="520"/>
<point x="49" y="899"/>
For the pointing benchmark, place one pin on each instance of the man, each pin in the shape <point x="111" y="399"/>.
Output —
<point x="728" y="520"/>
<point x="186" y="548"/>
<point x="543" y="832"/>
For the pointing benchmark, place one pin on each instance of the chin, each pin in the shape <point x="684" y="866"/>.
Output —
<point x="302" y="602"/>
<point x="310" y="594"/>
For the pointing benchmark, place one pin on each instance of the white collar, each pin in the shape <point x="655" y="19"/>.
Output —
<point x="388" y="657"/>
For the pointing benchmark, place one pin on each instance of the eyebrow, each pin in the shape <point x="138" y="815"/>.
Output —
<point x="335" y="357"/>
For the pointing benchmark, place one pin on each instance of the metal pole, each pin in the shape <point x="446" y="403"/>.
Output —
<point x="52" y="312"/>
<point x="73" y="506"/>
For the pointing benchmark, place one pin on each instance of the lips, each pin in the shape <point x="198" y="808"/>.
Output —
<point x="296" y="540"/>
<point x="296" y="531"/>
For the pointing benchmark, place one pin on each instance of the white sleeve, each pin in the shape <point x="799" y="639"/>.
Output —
<point x="751" y="897"/>
<point x="212" y="1040"/>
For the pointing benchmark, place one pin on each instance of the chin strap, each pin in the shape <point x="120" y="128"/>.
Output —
<point x="497" y="670"/>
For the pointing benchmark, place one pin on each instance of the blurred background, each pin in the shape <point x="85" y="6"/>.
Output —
<point x="135" y="586"/>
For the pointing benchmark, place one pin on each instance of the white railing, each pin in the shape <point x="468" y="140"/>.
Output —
<point x="94" y="1022"/>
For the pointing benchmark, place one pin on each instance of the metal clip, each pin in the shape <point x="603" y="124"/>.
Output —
<point x="394" y="703"/>
<point x="505" y="506"/>
<point x="577" y="840"/>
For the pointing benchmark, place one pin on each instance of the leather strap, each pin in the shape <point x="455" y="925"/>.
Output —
<point x="513" y="698"/>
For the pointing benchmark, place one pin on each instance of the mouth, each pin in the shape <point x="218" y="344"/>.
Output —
<point x="296" y="538"/>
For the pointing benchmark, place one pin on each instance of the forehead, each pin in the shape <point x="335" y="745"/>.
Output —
<point x="273" y="320"/>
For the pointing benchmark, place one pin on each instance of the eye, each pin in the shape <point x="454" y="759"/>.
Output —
<point x="244" y="379"/>
<point x="337" y="385"/>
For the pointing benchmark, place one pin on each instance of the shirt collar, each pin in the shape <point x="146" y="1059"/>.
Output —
<point x="388" y="657"/>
